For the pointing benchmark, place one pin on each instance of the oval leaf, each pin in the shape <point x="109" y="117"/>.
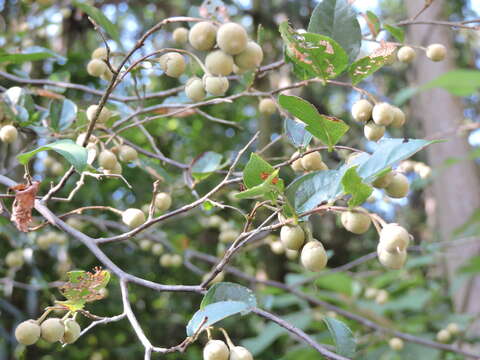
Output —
<point x="224" y="291"/>
<point x="100" y="19"/>
<point x="62" y="114"/>
<point x="342" y="336"/>
<point x="296" y="133"/>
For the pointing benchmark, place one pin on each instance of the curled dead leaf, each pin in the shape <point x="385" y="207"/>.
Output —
<point x="23" y="205"/>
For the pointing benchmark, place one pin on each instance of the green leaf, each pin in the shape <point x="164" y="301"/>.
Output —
<point x="366" y="66"/>
<point x="100" y="19"/>
<point x="62" y="114"/>
<point x="270" y="188"/>
<point x="339" y="282"/>
<point x="296" y="133"/>
<point x="205" y="164"/>
<point x="33" y="53"/>
<point x="353" y="184"/>
<point x="374" y="20"/>
<point x="460" y="82"/>
<point x="313" y="55"/>
<point x="17" y="96"/>
<point x="255" y="171"/>
<point x="397" y="32"/>
<point x="225" y="291"/>
<point x="327" y="129"/>
<point x="338" y="20"/>
<point x="73" y="153"/>
<point x="213" y="313"/>
<point x="342" y="336"/>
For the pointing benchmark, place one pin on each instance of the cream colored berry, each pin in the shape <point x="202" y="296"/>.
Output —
<point x="232" y="38"/>
<point x="277" y="247"/>
<point x="133" y="217"/>
<point x="292" y="237"/>
<point x="107" y="75"/>
<point x="99" y="53"/>
<point x="297" y="164"/>
<point x="398" y="187"/>
<point x="391" y="260"/>
<point x="72" y="331"/>
<point x="371" y="293"/>
<point x="373" y="132"/>
<point x="436" y="52"/>
<point x="313" y="162"/>
<point x="215" y="85"/>
<point x="27" y="332"/>
<point x="453" y="328"/>
<point x="250" y="58"/>
<point x="117" y="170"/>
<point x="267" y="107"/>
<point x="107" y="160"/>
<point x="215" y="221"/>
<point x="406" y="54"/>
<point x="382" y="114"/>
<point x="228" y="235"/>
<point x="180" y="35"/>
<point x="52" y="330"/>
<point x="105" y="114"/>
<point x="157" y="249"/>
<point x="96" y="67"/>
<point x="240" y="353"/>
<point x="8" y="134"/>
<point x="357" y="222"/>
<point x="423" y="170"/>
<point x="362" y="110"/>
<point x="173" y="64"/>
<point x="166" y="260"/>
<point x="194" y="89"/>
<point x="395" y="344"/>
<point x="444" y="336"/>
<point x="176" y="260"/>
<point x="219" y="63"/>
<point x="382" y="297"/>
<point x="383" y="181"/>
<point x="14" y="259"/>
<point x="216" y="350"/>
<point x="202" y="35"/>
<point x="394" y="237"/>
<point x="57" y="168"/>
<point x="314" y="256"/>
<point x="291" y="254"/>
<point x="398" y="117"/>
<point x="145" y="244"/>
<point x="127" y="153"/>
<point x="163" y="201"/>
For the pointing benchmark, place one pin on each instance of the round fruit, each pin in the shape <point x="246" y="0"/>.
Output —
<point x="371" y="293"/>
<point x="362" y="110"/>
<point x="180" y="35"/>
<point x="291" y="254"/>
<point x="133" y="217"/>
<point x="267" y="107"/>
<point x="240" y="353"/>
<point x="228" y="235"/>
<point x="356" y="222"/>
<point x="96" y="67"/>
<point x="292" y="237"/>
<point x="382" y="114"/>
<point x="232" y="38"/>
<point x="173" y="64"/>
<point x="383" y="181"/>
<point x="166" y="260"/>
<point x="444" y="336"/>
<point x="117" y="170"/>
<point x="72" y="331"/>
<point x="99" y="53"/>
<point x="107" y="160"/>
<point x="194" y="89"/>
<point x="398" y="187"/>
<point x="394" y="237"/>
<point x="297" y="164"/>
<point x="277" y="247"/>
<point x="250" y="58"/>
<point x="157" y="249"/>
<point x="8" y="134"/>
<point x="145" y="244"/>
<point x="107" y="75"/>
<point x="202" y="35"/>
<point x="406" y="54"/>
<point x="396" y="344"/>
<point x="219" y="63"/>
<point x="215" y="221"/>
<point x="215" y="85"/>
<point x="382" y="297"/>
<point x="313" y="256"/>
<point x="453" y="328"/>
<point x="27" y="332"/>
<point x="373" y="132"/>
<point x="313" y="162"/>
<point x="163" y="201"/>
<point x="52" y="329"/>
<point x="424" y="171"/>
<point x="398" y="117"/>
<point x="216" y="350"/>
<point x="391" y="260"/>
<point x="105" y="114"/>
<point x="14" y="259"/>
<point x="436" y="52"/>
<point x="127" y="153"/>
<point x="176" y="260"/>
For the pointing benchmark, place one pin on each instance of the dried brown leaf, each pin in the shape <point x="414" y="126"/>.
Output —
<point x="23" y="205"/>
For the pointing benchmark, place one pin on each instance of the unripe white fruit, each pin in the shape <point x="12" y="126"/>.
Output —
<point x="176" y="260"/>
<point x="313" y="256"/>
<point x="382" y="114"/>
<point x="394" y="237"/>
<point x="215" y="221"/>
<point x="267" y="107"/>
<point x="356" y="222"/>
<point x="383" y="181"/>
<point x="107" y="75"/>
<point x="96" y="67"/>
<point x="291" y="254"/>
<point x="219" y="63"/>
<point x="436" y="52"/>
<point x="382" y="297"/>
<point x="453" y="328"/>
<point x="250" y="58"/>
<point x="14" y="259"/>
<point x="398" y="187"/>
<point x="57" y="168"/>
<point x="173" y="64"/>
<point x="292" y="237"/>
<point x="105" y="114"/>
<point x="52" y="329"/>
<point x="297" y="164"/>
<point x="72" y="331"/>
<point x="444" y="336"/>
<point x="107" y="160"/>
<point x="166" y="260"/>
<point x="202" y="35"/>
<point x="194" y="89"/>
<point x="163" y="201"/>
<point x="398" y="117"/>
<point x="240" y="353"/>
<point x="424" y="171"/>
<point x="313" y="162"/>
<point x="391" y="260"/>
<point x="371" y="293"/>
<point x="277" y="247"/>
<point x="232" y="38"/>
<point x="157" y="249"/>
<point x="215" y="85"/>
<point x="27" y="332"/>
<point x="216" y="350"/>
<point x="406" y="54"/>
<point x="362" y="110"/>
<point x="228" y="235"/>
<point x="396" y="344"/>
<point x="117" y="170"/>
<point x="373" y="132"/>
<point x="127" y="153"/>
<point x="133" y="217"/>
<point x="180" y="35"/>
<point x="145" y="244"/>
<point x="8" y="134"/>
<point x="99" y="53"/>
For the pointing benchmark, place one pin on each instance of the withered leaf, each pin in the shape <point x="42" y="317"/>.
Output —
<point x="23" y="205"/>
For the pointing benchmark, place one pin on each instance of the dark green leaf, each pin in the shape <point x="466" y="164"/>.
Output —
<point x="205" y="164"/>
<point x="397" y="32"/>
<point x="255" y="171"/>
<point x="338" y="20"/>
<point x="100" y="19"/>
<point x="33" y="53"/>
<point x="271" y="186"/>
<point x="353" y="184"/>
<point x="460" y="82"/>
<point x="342" y="336"/>
<point x="225" y="291"/>
<point x="62" y="114"/>
<point x="364" y="67"/>
<point x="296" y="133"/>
